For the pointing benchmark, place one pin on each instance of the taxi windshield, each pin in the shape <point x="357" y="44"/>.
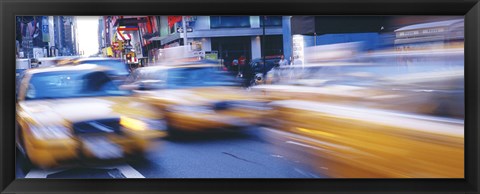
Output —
<point x="71" y="84"/>
<point x="118" y="67"/>
<point x="198" y="77"/>
<point x="184" y="77"/>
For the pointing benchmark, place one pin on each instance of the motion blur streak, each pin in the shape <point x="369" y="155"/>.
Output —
<point x="380" y="102"/>
<point x="396" y="114"/>
<point x="132" y="124"/>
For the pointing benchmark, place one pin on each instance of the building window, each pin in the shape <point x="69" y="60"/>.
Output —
<point x="271" y="20"/>
<point x="229" y="21"/>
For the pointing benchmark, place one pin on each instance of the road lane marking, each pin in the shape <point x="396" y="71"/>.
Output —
<point x="36" y="174"/>
<point x="39" y="173"/>
<point x="127" y="170"/>
<point x="234" y="156"/>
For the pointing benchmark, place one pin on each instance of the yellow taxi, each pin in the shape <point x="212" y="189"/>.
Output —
<point x="436" y="92"/>
<point x="197" y="97"/>
<point x="119" y="70"/>
<point x="350" y="142"/>
<point x="352" y="124"/>
<point x="76" y="112"/>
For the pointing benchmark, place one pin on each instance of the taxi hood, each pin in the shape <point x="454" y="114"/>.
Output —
<point x="57" y="111"/>
<point x="197" y="96"/>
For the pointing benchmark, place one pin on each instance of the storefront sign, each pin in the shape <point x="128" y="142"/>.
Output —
<point x="196" y="46"/>
<point x="298" y="49"/>
<point x="107" y="52"/>
<point x="117" y="45"/>
<point x="211" y="55"/>
<point x="173" y="19"/>
<point x="180" y="29"/>
<point x="199" y="54"/>
<point x="45" y="35"/>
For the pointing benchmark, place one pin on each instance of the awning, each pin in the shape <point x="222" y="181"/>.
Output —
<point x="130" y="21"/>
<point x="166" y="39"/>
<point x="150" y="35"/>
<point x="157" y="38"/>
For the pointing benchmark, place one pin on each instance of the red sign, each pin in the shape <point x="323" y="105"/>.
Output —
<point x="173" y="19"/>
<point x="127" y="28"/>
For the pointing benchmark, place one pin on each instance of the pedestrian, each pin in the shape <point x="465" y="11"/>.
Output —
<point x="283" y="61"/>
<point x="241" y="64"/>
<point x="242" y="60"/>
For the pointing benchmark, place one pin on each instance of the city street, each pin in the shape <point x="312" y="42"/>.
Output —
<point x="357" y="97"/>
<point x="227" y="155"/>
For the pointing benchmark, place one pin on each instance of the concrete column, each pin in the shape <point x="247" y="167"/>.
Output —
<point x="51" y="31"/>
<point x="256" y="47"/>
<point x="287" y="36"/>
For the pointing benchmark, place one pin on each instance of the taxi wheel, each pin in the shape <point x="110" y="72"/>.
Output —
<point x="173" y="132"/>
<point x="170" y="129"/>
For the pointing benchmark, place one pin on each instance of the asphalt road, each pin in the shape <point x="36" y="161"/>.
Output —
<point x="247" y="154"/>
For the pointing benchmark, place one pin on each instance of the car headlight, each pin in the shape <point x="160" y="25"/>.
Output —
<point x="51" y="132"/>
<point x="142" y="124"/>
<point x="191" y="109"/>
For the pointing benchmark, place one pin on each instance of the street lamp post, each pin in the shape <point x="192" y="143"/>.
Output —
<point x="263" y="41"/>
<point x="184" y="30"/>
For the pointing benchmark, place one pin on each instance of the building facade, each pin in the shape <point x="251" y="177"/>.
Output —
<point x="118" y="36"/>
<point x="100" y="32"/>
<point x="214" y="37"/>
<point x="29" y="35"/>
<point x="69" y="48"/>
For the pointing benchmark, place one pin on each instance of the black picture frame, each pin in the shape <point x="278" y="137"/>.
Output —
<point x="10" y="8"/>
